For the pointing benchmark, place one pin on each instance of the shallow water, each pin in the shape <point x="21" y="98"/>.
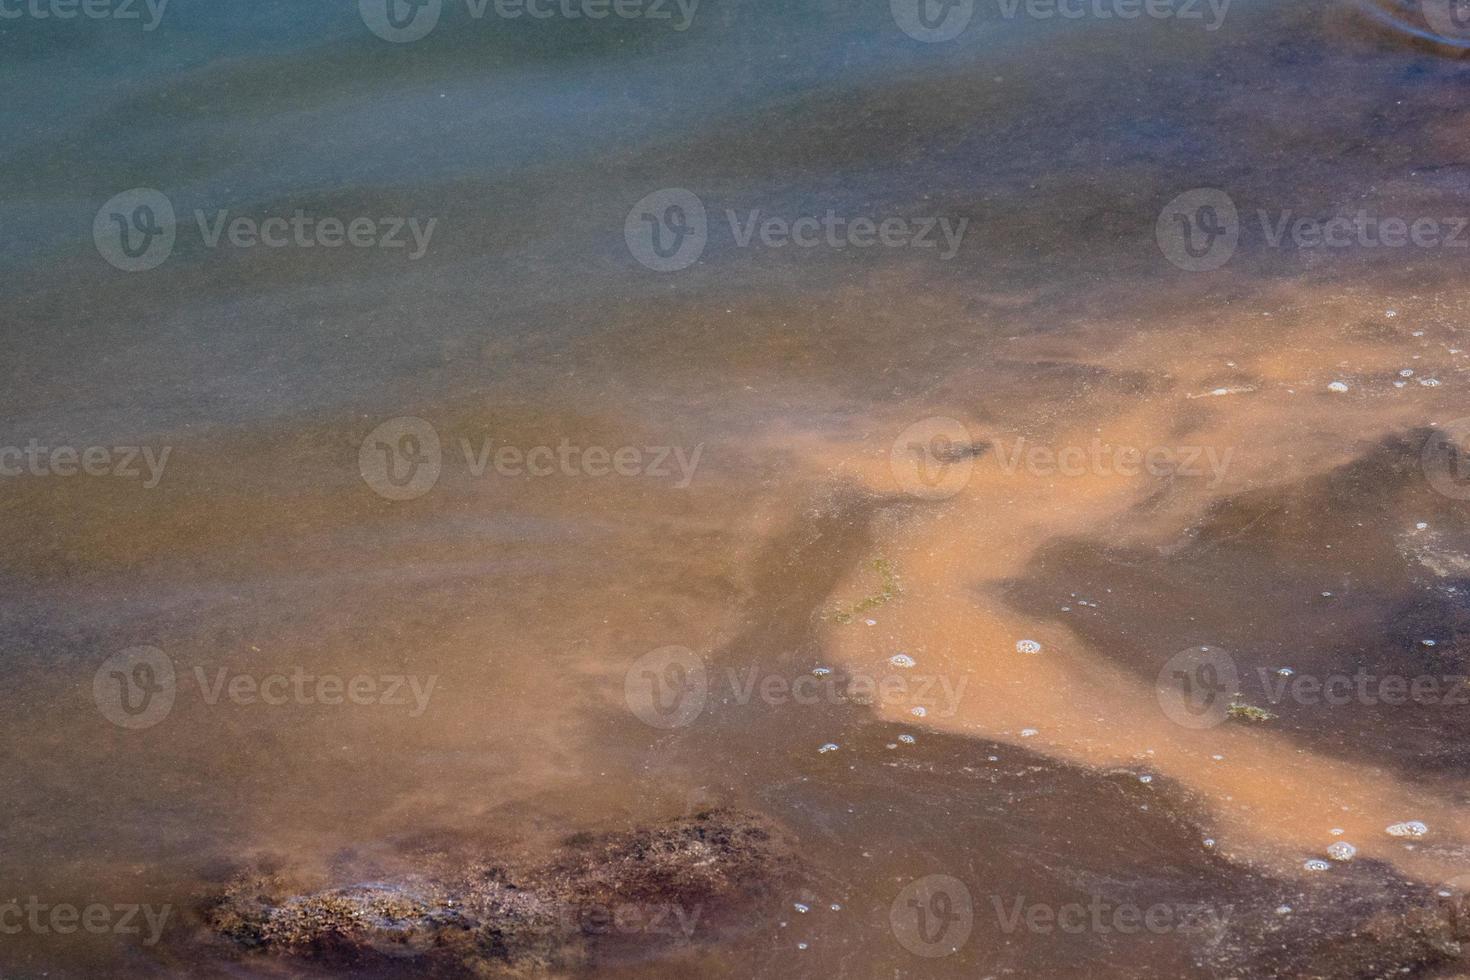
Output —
<point x="806" y="460"/>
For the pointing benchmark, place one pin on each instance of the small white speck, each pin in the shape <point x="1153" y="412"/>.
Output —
<point x="1209" y="842"/>
<point x="829" y="747"/>
<point x="1406" y="373"/>
<point x="906" y="739"/>
<point x="871" y="622"/>
<point x="821" y="671"/>
<point x="1421" y="525"/>
<point x="1428" y="643"/>
<point x="803" y="909"/>
<point x="1218" y="758"/>
<point x="1390" y="313"/>
<point x="1283" y="910"/>
<point x="1336" y="831"/>
<point x="801" y="945"/>
<point x="1145" y="779"/>
<point x="1284" y="672"/>
<point x="1027" y="732"/>
<point x="918" y="711"/>
<point x="835" y="907"/>
<point x="1338" y="386"/>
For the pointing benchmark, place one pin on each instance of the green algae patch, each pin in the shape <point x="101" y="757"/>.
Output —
<point x="888" y="591"/>
<point x="1248" y="712"/>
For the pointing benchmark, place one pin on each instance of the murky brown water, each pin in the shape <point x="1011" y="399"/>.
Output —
<point x="806" y="462"/>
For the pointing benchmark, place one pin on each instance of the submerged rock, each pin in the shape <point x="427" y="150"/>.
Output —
<point x="635" y="893"/>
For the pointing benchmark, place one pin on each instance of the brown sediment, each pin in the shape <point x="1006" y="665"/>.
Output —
<point x="600" y="898"/>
